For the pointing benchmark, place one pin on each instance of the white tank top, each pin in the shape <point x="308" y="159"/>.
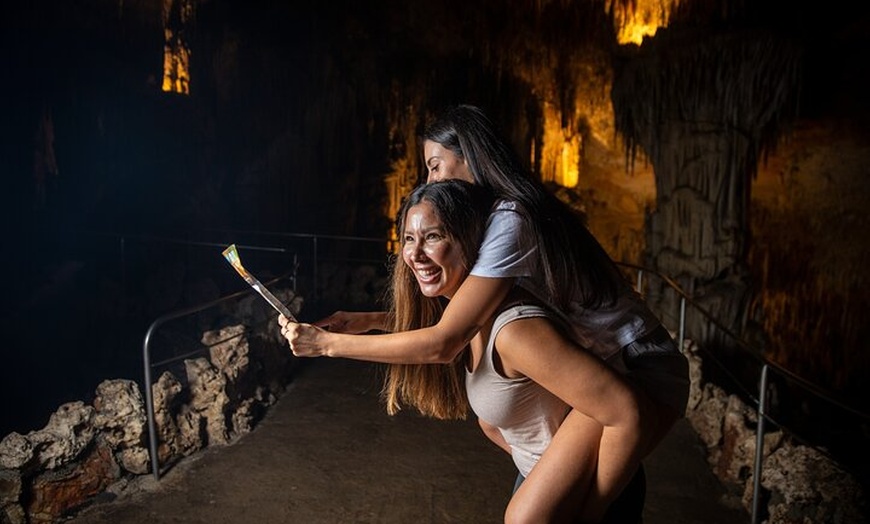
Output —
<point x="526" y="414"/>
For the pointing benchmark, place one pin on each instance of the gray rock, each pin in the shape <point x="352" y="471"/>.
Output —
<point x="69" y="431"/>
<point x="15" y="451"/>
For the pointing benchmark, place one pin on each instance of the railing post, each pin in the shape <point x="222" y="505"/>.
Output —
<point x="123" y="254"/>
<point x="295" y="271"/>
<point x="759" y="444"/>
<point x="682" y="322"/>
<point x="149" y="402"/>
<point x="314" y="268"/>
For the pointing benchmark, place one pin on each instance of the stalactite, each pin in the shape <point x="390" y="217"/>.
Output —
<point x="725" y="98"/>
<point x="178" y="18"/>
<point x="703" y="108"/>
<point x="745" y="83"/>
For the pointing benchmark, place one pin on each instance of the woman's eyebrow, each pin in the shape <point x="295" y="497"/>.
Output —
<point x="428" y="229"/>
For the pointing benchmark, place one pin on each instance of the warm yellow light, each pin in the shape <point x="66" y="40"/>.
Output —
<point x="569" y="174"/>
<point x="560" y="151"/>
<point x="634" y="33"/>
<point x="176" y="64"/>
<point x="647" y="16"/>
<point x="404" y="166"/>
<point x="177" y="15"/>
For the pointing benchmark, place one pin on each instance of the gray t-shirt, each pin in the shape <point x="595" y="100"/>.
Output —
<point x="509" y="250"/>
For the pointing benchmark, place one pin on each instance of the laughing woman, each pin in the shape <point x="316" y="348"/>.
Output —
<point x="574" y="427"/>
<point x="534" y="242"/>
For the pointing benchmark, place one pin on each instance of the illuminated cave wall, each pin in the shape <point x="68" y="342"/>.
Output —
<point x="809" y="254"/>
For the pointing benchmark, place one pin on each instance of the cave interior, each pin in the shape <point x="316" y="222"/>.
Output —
<point x="726" y="149"/>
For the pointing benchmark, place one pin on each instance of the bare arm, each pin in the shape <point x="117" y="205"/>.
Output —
<point x="354" y="322"/>
<point x="535" y="348"/>
<point x="474" y="302"/>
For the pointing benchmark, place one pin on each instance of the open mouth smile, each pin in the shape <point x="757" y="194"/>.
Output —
<point x="427" y="275"/>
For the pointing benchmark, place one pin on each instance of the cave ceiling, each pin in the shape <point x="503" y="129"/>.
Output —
<point x="266" y="75"/>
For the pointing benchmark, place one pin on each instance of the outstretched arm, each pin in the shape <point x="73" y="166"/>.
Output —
<point x="474" y="302"/>
<point x="354" y="322"/>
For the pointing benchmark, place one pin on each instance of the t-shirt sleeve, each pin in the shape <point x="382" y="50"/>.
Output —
<point x="503" y="253"/>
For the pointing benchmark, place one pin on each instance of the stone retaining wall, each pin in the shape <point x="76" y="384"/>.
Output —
<point x="85" y="450"/>
<point x="799" y="484"/>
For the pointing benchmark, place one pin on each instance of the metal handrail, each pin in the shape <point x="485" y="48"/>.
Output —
<point x="315" y="239"/>
<point x="748" y="349"/>
<point x="315" y="242"/>
<point x="766" y="366"/>
<point x="148" y="365"/>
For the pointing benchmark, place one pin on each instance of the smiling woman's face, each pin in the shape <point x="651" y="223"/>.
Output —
<point x="444" y="164"/>
<point x="434" y="257"/>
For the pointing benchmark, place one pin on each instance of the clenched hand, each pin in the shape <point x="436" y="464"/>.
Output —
<point x="303" y="338"/>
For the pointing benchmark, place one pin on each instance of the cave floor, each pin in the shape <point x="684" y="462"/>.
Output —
<point x="327" y="453"/>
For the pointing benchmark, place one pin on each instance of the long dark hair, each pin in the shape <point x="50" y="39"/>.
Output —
<point x="574" y="265"/>
<point x="436" y="390"/>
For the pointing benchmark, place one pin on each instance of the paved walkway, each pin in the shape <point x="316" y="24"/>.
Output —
<point x="327" y="453"/>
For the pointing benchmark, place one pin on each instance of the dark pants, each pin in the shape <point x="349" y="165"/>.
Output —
<point x="628" y="507"/>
